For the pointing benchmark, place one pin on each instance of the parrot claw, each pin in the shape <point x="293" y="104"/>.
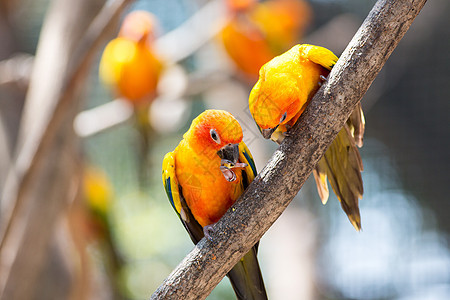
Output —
<point x="240" y="165"/>
<point x="323" y="78"/>
<point x="207" y="230"/>
<point x="226" y="163"/>
<point x="228" y="173"/>
<point x="230" y="165"/>
<point x="226" y="167"/>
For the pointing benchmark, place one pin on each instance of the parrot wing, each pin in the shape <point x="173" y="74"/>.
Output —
<point x="342" y="165"/>
<point x="319" y="55"/>
<point x="249" y="172"/>
<point x="356" y="124"/>
<point x="176" y="199"/>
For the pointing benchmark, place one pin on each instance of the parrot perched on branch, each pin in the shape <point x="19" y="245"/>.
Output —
<point x="131" y="68"/>
<point x="286" y="85"/>
<point x="256" y="32"/>
<point x="205" y="174"/>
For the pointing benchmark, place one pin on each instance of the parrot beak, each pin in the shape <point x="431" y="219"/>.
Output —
<point x="230" y="153"/>
<point x="230" y="156"/>
<point x="267" y="133"/>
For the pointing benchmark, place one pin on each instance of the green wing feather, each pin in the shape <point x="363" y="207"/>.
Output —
<point x="170" y="182"/>
<point x="176" y="199"/>
<point x="246" y="278"/>
<point x="246" y="157"/>
<point x="342" y="165"/>
<point x="356" y="123"/>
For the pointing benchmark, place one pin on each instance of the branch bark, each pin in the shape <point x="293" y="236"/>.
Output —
<point x="281" y="179"/>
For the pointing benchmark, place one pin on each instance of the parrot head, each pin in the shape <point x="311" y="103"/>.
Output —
<point x="273" y="100"/>
<point x="216" y="134"/>
<point x="139" y="26"/>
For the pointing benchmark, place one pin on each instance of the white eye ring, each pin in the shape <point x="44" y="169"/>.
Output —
<point x="214" y="136"/>
<point x="283" y="117"/>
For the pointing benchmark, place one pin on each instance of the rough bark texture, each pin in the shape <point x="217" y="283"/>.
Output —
<point x="41" y="182"/>
<point x="274" y="188"/>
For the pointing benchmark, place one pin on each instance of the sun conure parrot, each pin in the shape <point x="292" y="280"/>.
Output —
<point x="256" y="32"/>
<point x="89" y="219"/>
<point x="286" y="84"/>
<point x="205" y="174"/>
<point x="130" y="67"/>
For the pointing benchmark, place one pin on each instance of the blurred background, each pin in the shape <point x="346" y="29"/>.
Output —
<point x="119" y="238"/>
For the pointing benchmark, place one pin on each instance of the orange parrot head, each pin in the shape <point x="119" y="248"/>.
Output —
<point x="139" y="26"/>
<point x="216" y="134"/>
<point x="275" y="98"/>
<point x="215" y="131"/>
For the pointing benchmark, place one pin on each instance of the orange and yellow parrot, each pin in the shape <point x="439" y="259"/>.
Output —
<point x="131" y="68"/>
<point x="286" y="84"/>
<point x="129" y="64"/>
<point x="256" y="32"/>
<point x="205" y="174"/>
<point x="89" y="220"/>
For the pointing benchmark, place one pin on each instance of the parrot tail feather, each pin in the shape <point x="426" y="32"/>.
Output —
<point x="342" y="165"/>
<point x="357" y="124"/>
<point x="320" y="175"/>
<point x="246" y="278"/>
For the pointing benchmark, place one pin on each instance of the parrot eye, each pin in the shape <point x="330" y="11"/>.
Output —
<point x="214" y="136"/>
<point x="283" y="117"/>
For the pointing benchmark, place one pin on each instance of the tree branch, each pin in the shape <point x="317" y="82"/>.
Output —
<point x="277" y="184"/>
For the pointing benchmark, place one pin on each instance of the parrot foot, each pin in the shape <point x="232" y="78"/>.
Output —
<point x="207" y="230"/>
<point x="240" y="165"/>
<point x="228" y="173"/>
<point x="226" y="166"/>
<point x="230" y="165"/>
<point x="323" y="78"/>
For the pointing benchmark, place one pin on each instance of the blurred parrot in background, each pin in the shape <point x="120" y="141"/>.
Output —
<point x="256" y="32"/>
<point x="130" y="67"/>
<point x="90" y="224"/>
<point x="205" y="174"/>
<point x="285" y="86"/>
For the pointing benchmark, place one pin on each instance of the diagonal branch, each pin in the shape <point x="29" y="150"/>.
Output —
<point x="287" y="170"/>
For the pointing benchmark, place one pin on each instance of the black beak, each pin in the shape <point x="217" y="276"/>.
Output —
<point x="229" y="152"/>
<point x="267" y="133"/>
